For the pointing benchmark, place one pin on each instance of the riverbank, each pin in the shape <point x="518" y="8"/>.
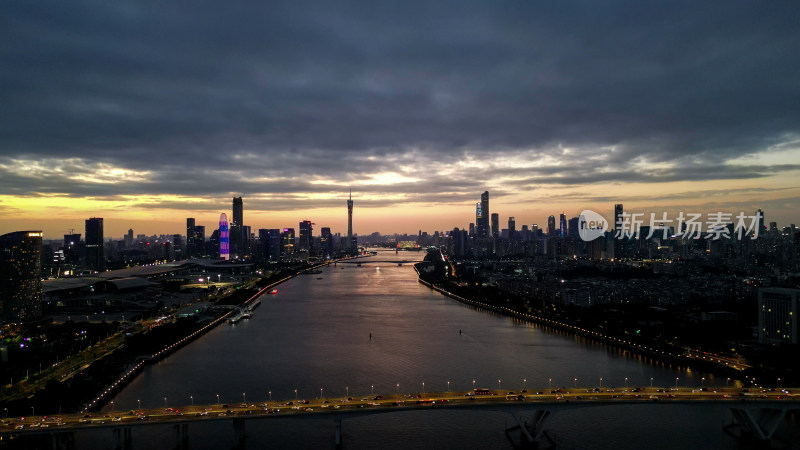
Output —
<point x="666" y="354"/>
<point x="138" y="365"/>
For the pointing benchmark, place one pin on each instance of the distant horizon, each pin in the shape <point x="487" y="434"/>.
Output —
<point x="115" y="227"/>
<point x="145" y="114"/>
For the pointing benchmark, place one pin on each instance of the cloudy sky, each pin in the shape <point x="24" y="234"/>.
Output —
<point x="148" y="112"/>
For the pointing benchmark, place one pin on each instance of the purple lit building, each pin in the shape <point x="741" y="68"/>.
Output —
<point x="224" y="238"/>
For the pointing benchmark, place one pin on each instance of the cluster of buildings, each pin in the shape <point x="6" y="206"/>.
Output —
<point x="236" y="241"/>
<point x="765" y="268"/>
<point x="554" y="265"/>
<point x="34" y="272"/>
<point x="560" y="239"/>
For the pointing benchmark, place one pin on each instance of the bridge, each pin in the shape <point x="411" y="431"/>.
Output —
<point x="362" y="261"/>
<point x="756" y="412"/>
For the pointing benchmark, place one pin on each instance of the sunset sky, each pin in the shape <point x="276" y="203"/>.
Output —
<point x="145" y="113"/>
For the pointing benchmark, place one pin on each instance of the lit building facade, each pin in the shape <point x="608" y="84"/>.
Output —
<point x="482" y="216"/>
<point x="778" y="309"/>
<point x="224" y="238"/>
<point x="20" y="276"/>
<point x="306" y="239"/>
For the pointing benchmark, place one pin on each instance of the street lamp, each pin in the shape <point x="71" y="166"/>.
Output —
<point x="347" y="389"/>
<point x="398" y="388"/>
<point x="575" y="383"/>
<point x="191" y="400"/>
<point x="473" y="384"/>
<point x="112" y="406"/>
<point x="244" y="398"/>
<point x="373" y="390"/>
<point x="140" y="403"/>
<point x="728" y="382"/>
<point x="498" y="384"/>
<point x="33" y="411"/>
<point x="448" y="385"/>
<point x="676" y="382"/>
<point x="270" y="395"/>
<point x="320" y="392"/>
<point x="549" y="382"/>
<point x="651" y="381"/>
<point x="295" y="394"/>
<point x="601" y="382"/>
<point x="423" y="386"/>
<point x="703" y="382"/>
<point x="524" y="384"/>
<point x="217" y="398"/>
<point x="779" y="382"/>
<point x="165" y="402"/>
<point x="626" y="381"/>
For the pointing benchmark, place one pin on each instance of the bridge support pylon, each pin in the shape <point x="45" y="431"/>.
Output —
<point x="754" y="422"/>
<point x="337" y="436"/>
<point x="238" y="433"/>
<point x="122" y="438"/>
<point x="64" y="440"/>
<point x="181" y="436"/>
<point x="532" y="434"/>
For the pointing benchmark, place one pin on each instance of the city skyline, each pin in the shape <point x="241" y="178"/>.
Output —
<point x="156" y="114"/>
<point x="121" y="227"/>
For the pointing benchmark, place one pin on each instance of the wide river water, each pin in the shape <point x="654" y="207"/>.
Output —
<point x="315" y="334"/>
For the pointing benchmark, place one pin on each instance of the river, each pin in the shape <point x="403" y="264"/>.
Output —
<point x="315" y="334"/>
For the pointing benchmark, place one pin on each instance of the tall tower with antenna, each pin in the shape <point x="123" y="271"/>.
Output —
<point x="350" y="246"/>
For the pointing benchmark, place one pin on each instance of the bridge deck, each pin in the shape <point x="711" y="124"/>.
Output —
<point x="340" y="407"/>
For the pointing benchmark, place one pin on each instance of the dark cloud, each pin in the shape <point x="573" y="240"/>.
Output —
<point x="261" y="97"/>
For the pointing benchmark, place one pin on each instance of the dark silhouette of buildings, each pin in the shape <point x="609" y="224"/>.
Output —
<point x="237" y="238"/>
<point x="326" y="242"/>
<point x="95" y="252"/>
<point x="551" y="226"/>
<point x="482" y="216"/>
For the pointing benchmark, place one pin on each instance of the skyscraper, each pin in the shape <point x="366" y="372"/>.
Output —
<point x="350" y="246"/>
<point x="562" y="224"/>
<point x="20" y="276"/>
<point x="326" y="242"/>
<point x="129" y="238"/>
<point x="512" y="228"/>
<point x="617" y="216"/>
<point x="572" y="226"/>
<point x="190" y="245"/>
<point x="224" y="238"/>
<point x="199" y="241"/>
<point x="551" y="226"/>
<point x="189" y="228"/>
<point x="306" y="236"/>
<point x="495" y="225"/>
<point x="237" y="247"/>
<point x="238" y="212"/>
<point x="95" y="253"/>
<point x="482" y="216"/>
<point x="287" y="242"/>
<point x="73" y="248"/>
